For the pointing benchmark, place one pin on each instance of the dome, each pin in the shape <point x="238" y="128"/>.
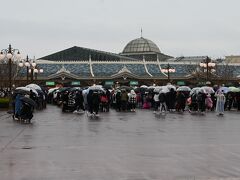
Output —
<point x="140" y="45"/>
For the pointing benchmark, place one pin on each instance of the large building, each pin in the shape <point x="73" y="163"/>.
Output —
<point x="140" y="62"/>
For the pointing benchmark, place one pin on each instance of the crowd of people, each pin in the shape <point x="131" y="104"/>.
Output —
<point x="95" y="99"/>
<point x="4" y="92"/>
<point x="160" y="101"/>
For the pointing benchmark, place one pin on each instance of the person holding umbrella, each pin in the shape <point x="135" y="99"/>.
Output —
<point x="220" y="102"/>
<point x="132" y="100"/>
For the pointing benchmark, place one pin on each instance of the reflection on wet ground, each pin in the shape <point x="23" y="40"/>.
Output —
<point x="120" y="146"/>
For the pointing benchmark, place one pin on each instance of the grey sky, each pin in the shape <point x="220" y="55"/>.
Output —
<point x="178" y="27"/>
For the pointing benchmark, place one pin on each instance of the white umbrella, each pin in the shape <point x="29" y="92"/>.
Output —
<point x="157" y="89"/>
<point x="143" y="86"/>
<point x="165" y="89"/>
<point x="52" y="89"/>
<point x="85" y="91"/>
<point x="96" y="88"/>
<point x="195" y="90"/>
<point x="234" y="89"/>
<point x="208" y="89"/>
<point x="184" y="88"/>
<point x="169" y="86"/>
<point x="151" y="87"/>
<point x="34" y="86"/>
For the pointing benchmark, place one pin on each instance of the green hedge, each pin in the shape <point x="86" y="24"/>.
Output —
<point x="4" y="102"/>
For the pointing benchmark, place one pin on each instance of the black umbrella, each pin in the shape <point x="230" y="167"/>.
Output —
<point x="21" y="91"/>
<point x="75" y="89"/>
<point x="29" y="101"/>
<point x="63" y="89"/>
<point x="39" y="92"/>
<point x="127" y="88"/>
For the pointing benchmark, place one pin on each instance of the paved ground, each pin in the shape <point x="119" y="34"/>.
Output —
<point x="120" y="146"/>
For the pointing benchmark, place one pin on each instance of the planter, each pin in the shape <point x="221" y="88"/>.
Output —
<point x="4" y="102"/>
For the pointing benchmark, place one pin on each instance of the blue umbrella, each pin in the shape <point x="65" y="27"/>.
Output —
<point x="224" y="89"/>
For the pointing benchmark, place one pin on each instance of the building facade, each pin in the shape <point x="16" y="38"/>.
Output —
<point x="141" y="62"/>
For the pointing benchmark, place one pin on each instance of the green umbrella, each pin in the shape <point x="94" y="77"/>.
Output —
<point x="234" y="89"/>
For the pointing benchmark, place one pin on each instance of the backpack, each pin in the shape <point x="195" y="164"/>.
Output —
<point x="104" y="99"/>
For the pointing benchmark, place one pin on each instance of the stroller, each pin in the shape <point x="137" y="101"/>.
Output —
<point x="68" y="102"/>
<point x="23" y="110"/>
<point x="26" y="113"/>
<point x="193" y="107"/>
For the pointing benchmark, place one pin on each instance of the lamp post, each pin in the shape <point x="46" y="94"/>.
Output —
<point x="168" y="69"/>
<point x="208" y="65"/>
<point x="30" y="64"/>
<point x="12" y="56"/>
<point x="35" y="71"/>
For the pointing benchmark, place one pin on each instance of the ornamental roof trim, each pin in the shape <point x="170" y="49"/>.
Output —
<point x="63" y="69"/>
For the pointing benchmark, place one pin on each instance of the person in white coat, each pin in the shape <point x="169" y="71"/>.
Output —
<point x="220" y="102"/>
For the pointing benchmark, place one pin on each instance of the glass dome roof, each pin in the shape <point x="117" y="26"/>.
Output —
<point x="141" y="45"/>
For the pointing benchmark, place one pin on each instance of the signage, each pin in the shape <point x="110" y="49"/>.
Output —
<point x="75" y="83"/>
<point x="50" y="83"/>
<point x="180" y="83"/>
<point x="109" y="83"/>
<point x="133" y="83"/>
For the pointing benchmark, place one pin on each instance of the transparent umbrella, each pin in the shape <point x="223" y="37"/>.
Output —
<point x="208" y="89"/>
<point x="224" y="89"/>
<point x="169" y="86"/>
<point x="157" y="89"/>
<point x="34" y="86"/>
<point x="184" y="88"/>
<point x="234" y="89"/>
<point x="195" y="90"/>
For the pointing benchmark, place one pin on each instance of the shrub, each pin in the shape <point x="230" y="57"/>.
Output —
<point x="4" y="102"/>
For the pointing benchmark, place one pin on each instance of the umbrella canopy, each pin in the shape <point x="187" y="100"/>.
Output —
<point x="144" y="86"/>
<point x="21" y="91"/>
<point x="184" y="88"/>
<point x="208" y="89"/>
<point x="29" y="101"/>
<point x="234" y="89"/>
<point x="125" y="87"/>
<point x="165" y="89"/>
<point x="76" y="89"/>
<point x="169" y="86"/>
<point x="34" y="86"/>
<point x="63" y="89"/>
<point x="39" y="92"/>
<point x="152" y="87"/>
<point x="195" y="90"/>
<point x="96" y="88"/>
<point x="224" y="89"/>
<point x="52" y="89"/>
<point x="157" y="89"/>
<point x="27" y="89"/>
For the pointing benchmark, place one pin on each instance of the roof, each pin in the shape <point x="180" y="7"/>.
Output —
<point x="141" y="45"/>
<point x="80" y="54"/>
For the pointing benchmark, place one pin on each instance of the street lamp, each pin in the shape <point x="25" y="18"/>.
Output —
<point x="168" y="69"/>
<point x="35" y="71"/>
<point x="12" y="56"/>
<point x="208" y="65"/>
<point x="30" y="64"/>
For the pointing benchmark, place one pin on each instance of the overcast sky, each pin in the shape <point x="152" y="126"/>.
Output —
<point x="178" y="27"/>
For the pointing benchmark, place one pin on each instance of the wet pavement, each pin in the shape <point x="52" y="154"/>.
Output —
<point x="120" y="146"/>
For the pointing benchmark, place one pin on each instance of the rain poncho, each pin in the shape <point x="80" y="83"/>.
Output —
<point x="220" y="102"/>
